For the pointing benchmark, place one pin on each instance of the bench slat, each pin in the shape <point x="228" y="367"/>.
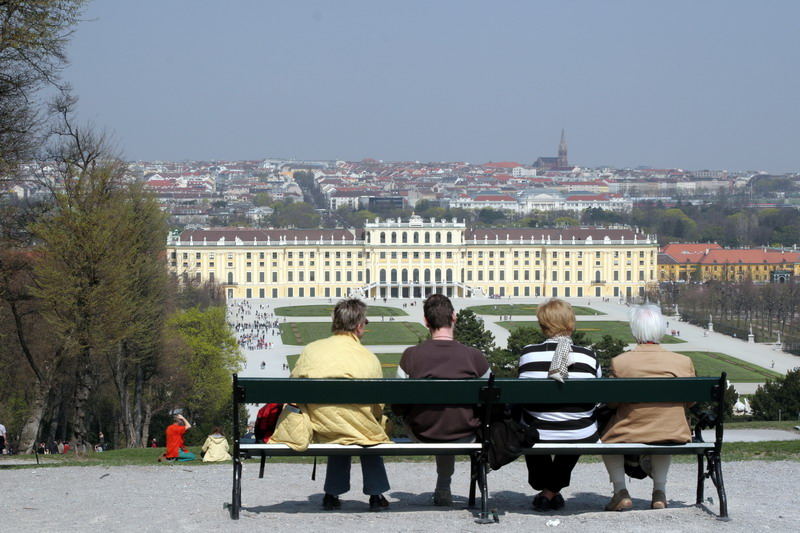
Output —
<point x="379" y="449"/>
<point x="619" y="449"/>
<point x="438" y="391"/>
<point x="281" y="450"/>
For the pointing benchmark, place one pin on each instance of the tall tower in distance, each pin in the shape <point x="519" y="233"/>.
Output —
<point x="563" y="162"/>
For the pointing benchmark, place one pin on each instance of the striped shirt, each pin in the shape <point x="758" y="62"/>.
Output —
<point x="560" y="422"/>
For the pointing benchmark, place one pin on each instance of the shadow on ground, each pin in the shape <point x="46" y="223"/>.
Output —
<point x="503" y="502"/>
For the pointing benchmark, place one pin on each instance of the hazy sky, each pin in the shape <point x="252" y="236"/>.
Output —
<point x="708" y="84"/>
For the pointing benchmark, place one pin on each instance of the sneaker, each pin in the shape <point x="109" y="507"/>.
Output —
<point x="659" y="500"/>
<point x="442" y="498"/>
<point x="378" y="503"/>
<point x="541" y="503"/>
<point x="620" y="501"/>
<point x="331" y="502"/>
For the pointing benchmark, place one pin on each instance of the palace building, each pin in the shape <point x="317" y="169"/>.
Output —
<point x="705" y="262"/>
<point x="414" y="258"/>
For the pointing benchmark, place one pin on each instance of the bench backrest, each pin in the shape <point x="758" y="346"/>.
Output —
<point x="449" y="392"/>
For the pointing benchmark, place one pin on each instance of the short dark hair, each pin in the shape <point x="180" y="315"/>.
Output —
<point x="438" y="311"/>
<point x="348" y="315"/>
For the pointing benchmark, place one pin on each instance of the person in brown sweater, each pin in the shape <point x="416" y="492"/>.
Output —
<point x="648" y="423"/>
<point x="441" y="357"/>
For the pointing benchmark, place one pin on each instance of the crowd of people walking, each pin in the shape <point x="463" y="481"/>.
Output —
<point x="254" y="325"/>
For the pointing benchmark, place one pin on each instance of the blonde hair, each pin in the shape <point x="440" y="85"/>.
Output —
<point x="556" y="317"/>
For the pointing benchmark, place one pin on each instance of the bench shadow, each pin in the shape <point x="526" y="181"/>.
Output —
<point x="577" y="503"/>
<point x="400" y="502"/>
<point x="505" y="502"/>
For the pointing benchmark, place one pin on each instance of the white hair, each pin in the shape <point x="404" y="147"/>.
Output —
<point x="647" y="323"/>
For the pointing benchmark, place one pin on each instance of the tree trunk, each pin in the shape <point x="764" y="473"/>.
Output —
<point x="137" y="409"/>
<point x="84" y="384"/>
<point x="52" y="427"/>
<point x="30" y="431"/>
<point x="148" y="414"/>
<point x="120" y="376"/>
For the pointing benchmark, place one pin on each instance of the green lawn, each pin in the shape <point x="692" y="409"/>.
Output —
<point x="408" y="333"/>
<point x="595" y="330"/>
<point x="785" y="425"/>
<point x="731" y="451"/>
<point x="388" y="361"/>
<point x="524" y="309"/>
<point x="327" y="310"/>
<point x="714" y="363"/>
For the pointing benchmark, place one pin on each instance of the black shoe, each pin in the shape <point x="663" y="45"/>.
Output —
<point x="331" y="502"/>
<point x="541" y="503"/>
<point x="557" y="502"/>
<point x="378" y="503"/>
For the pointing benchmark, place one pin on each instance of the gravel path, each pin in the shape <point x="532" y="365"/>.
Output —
<point x="189" y="497"/>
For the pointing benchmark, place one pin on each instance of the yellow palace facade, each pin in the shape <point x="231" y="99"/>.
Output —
<point x="415" y="258"/>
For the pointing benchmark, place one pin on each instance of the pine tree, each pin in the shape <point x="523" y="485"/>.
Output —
<point x="778" y="398"/>
<point x="469" y="330"/>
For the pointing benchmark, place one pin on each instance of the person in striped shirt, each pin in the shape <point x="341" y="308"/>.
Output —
<point x="557" y="358"/>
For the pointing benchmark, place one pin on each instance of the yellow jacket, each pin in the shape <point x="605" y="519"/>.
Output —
<point x="216" y="449"/>
<point x="342" y="356"/>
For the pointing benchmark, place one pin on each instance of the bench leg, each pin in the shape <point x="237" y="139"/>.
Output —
<point x="701" y="478"/>
<point x="473" y="479"/>
<point x="263" y="463"/>
<point x="715" y="471"/>
<point x="484" y="515"/>
<point x="236" y="496"/>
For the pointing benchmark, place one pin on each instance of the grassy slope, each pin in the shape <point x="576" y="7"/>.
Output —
<point x="713" y="363"/>
<point x="327" y="310"/>
<point x="406" y="333"/>
<point x="595" y="329"/>
<point x="523" y="309"/>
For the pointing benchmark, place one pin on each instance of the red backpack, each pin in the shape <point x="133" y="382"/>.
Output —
<point x="266" y="420"/>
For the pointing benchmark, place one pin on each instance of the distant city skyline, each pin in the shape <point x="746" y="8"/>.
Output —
<point x="711" y="85"/>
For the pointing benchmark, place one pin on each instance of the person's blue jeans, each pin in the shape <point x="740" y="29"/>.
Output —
<point x="337" y="475"/>
<point x="186" y="456"/>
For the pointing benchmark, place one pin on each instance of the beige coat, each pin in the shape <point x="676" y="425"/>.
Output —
<point x="216" y="449"/>
<point x="649" y="422"/>
<point x="342" y="356"/>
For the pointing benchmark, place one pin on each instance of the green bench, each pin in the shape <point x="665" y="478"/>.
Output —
<point x="486" y="394"/>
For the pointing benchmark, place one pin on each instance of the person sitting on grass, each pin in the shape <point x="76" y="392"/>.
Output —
<point x="176" y="451"/>
<point x="216" y="447"/>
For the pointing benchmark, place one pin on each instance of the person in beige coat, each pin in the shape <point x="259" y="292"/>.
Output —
<point x="648" y="423"/>
<point x="343" y="356"/>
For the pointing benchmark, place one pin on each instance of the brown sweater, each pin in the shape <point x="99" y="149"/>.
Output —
<point x="441" y="359"/>
<point x="649" y="422"/>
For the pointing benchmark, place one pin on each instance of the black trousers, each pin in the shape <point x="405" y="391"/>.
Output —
<point x="551" y="472"/>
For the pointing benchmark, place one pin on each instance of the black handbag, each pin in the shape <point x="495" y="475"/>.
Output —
<point x="507" y="440"/>
<point x="638" y="466"/>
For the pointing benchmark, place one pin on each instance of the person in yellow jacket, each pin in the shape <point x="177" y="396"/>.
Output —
<point x="342" y="356"/>
<point x="215" y="448"/>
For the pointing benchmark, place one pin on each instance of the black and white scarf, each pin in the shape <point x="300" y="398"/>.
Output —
<point x="560" y="362"/>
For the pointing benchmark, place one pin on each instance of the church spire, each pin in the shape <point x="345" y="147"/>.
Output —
<point x="563" y="162"/>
